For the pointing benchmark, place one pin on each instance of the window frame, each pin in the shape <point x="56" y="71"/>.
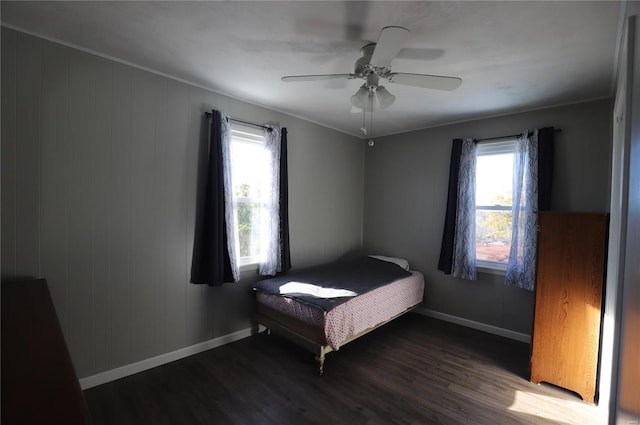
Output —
<point x="494" y="147"/>
<point x="241" y="133"/>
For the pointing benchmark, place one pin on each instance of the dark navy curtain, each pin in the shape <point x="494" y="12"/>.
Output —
<point x="284" y="204"/>
<point x="445" y="262"/>
<point x="545" y="167"/>
<point x="211" y="264"/>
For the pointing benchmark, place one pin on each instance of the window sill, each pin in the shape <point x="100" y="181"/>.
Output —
<point x="491" y="270"/>
<point x="251" y="267"/>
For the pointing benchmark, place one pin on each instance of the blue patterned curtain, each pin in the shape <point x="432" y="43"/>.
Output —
<point x="274" y="221"/>
<point x="231" y="207"/>
<point x="522" y="257"/>
<point x="464" y="247"/>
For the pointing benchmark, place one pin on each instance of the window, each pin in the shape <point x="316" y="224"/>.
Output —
<point x="248" y="161"/>
<point x="494" y="182"/>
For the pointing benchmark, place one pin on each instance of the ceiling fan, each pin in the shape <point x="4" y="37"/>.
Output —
<point x="375" y="64"/>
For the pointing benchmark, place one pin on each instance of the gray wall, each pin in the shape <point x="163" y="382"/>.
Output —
<point x="99" y="166"/>
<point x="406" y="191"/>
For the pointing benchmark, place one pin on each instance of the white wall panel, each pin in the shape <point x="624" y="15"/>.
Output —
<point x="27" y="158"/>
<point x="101" y="215"/>
<point x="144" y="271"/>
<point x="8" y="154"/>
<point x="80" y="198"/>
<point x="120" y="216"/>
<point x="175" y="246"/>
<point x="54" y="173"/>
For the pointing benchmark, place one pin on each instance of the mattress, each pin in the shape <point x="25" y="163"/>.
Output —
<point x="356" y="315"/>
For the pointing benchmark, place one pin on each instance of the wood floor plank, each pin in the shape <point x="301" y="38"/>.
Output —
<point x="415" y="370"/>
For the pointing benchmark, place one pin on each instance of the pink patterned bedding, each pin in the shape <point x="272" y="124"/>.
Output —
<point x="356" y="315"/>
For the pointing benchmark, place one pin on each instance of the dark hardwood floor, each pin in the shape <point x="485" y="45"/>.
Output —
<point x="415" y="370"/>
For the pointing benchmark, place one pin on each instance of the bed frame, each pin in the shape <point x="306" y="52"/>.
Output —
<point x="311" y="338"/>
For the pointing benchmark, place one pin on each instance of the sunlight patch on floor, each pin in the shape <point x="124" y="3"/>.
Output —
<point x="563" y="410"/>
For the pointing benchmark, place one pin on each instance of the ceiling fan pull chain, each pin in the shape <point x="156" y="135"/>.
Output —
<point x="364" y="121"/>
<point x="371" y="142"/>
<point x="371" y="118"/>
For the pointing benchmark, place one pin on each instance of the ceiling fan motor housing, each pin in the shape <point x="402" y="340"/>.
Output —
<point x="361" y="64"/>
<point x="365" y="70"/>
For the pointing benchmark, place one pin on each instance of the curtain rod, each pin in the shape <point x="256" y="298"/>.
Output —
<point x="511" y="136"/>
<point x="266" y="127"/>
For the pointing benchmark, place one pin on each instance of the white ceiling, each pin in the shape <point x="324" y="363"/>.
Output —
<point x="512" y="56"/>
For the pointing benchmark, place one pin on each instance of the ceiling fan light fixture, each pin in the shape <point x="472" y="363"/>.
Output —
<point x="360" y="99"/>
<point x="384" y="98"/>
<point x="375" y="66"/>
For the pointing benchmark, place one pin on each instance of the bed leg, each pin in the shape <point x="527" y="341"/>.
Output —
<point x="320" y="360"/>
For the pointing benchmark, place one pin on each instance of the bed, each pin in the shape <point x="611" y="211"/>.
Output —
<point x="326" y="307"/>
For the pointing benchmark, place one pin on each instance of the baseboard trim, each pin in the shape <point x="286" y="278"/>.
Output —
<point x="130" y="369"/>
<point x="507" y="333"/>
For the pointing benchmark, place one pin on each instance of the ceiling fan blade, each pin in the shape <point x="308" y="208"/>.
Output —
<point x="436" y="82"/>
<point x="295" y="78"/>
<point x="390" y="42"/>
<point x="419" y="54"/>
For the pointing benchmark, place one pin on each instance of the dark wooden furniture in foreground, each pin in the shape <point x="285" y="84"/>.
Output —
<point x="39" y="384"/>
<point x="417" y="371"/>
<point x="570" y="277"/>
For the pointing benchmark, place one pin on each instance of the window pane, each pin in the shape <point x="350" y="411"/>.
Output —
<point x="493" y="235"/>
<point x="494" y="180"/>
<point x="248" y="162"/>
<point x="249" y="229"/>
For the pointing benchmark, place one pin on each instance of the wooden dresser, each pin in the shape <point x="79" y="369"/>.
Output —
<point x="568" y="300"/>
<point x="39" y="383"/>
